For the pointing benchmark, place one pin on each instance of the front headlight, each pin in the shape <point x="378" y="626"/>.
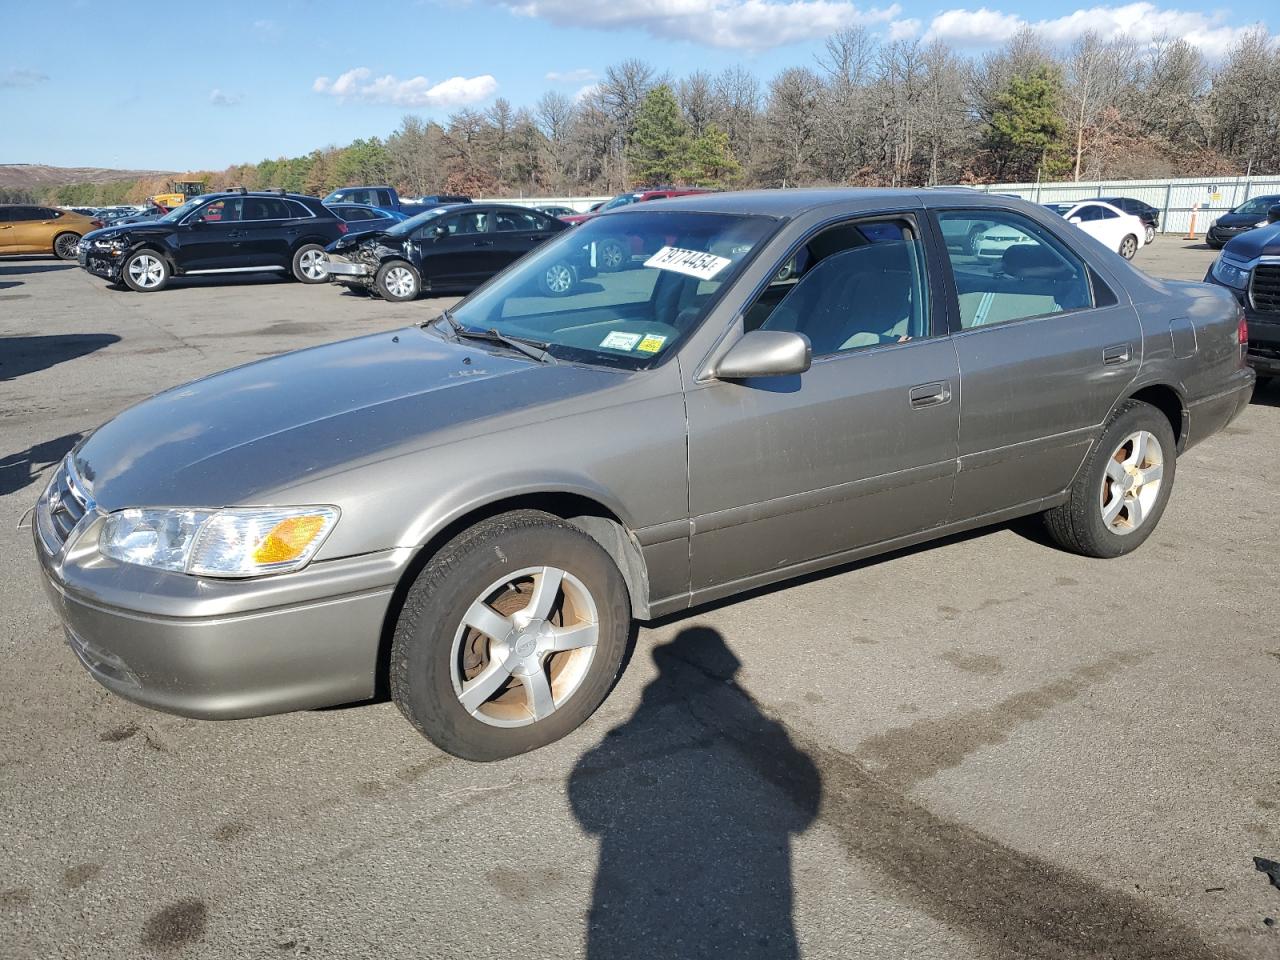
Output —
<point x="114" y="244"/>
<point x="239" y="542"/>
<point x="1230" y="274"/>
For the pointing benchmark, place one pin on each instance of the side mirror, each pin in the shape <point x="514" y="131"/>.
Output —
<point x="1273" y="214"/>
<point x="766" y="353"/>
<point x="1076" y="220"/>
<point x="440" y="231"/>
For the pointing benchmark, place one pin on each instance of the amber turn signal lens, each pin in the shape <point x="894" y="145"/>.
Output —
<point x="288" y="539"/>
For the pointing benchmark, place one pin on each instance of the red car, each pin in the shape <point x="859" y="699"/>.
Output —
<point x="639" y="196"/>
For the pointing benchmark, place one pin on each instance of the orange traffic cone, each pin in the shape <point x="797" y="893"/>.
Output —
<point x="1191" y="231"/>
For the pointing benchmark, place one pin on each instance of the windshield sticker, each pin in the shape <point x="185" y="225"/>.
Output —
<point x="693" y="263"/>
<point x="620" y="341"/>
<point x="652" y="343"/>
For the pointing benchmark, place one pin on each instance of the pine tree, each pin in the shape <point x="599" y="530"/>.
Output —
<point x="710" y="160"/>
<point x="1026" y="129"/>
<point x="659" y="149"/>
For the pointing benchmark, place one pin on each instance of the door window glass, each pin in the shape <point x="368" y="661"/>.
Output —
<point x="222" y="211"/>
<point x="855" y="285"/>
<point x="470" y="222"/>
<point x="264" y="208"/>
<point x="1019" y="270"/>
<point x="507" y="220"/>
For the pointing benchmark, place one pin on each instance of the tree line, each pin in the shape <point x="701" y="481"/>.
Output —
<point x="865" y="112"/>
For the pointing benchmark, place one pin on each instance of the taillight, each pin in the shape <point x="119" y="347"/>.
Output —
<point x="1242" y="332"/>
<point x="342" y="227"/>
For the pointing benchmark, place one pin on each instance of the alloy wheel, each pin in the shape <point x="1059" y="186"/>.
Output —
<point x="1128" y="247"/>
<point x="146" y="270"/>
<point x="314" y="264"/>
<point x="1131" y="484"/>
<point x="559" y="278"/>
<point x="65" y="246"/>
<point x="524" y="646"/>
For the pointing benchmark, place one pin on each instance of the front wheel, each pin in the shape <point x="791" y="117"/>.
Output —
<point x="397" y="281"/>
<point x="1128" y="247"/>
<point x="510" y="637"/>
<point x="613" y="255"/>
<point x="64" y="245"/>
<point x="145" y="272"/>
<point x="310" y="264"/>
<point x="1213" y="244"/>
<point x="1120" y="494"/>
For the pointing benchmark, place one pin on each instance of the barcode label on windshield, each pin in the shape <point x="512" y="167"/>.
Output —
<point x="693" y="263"/>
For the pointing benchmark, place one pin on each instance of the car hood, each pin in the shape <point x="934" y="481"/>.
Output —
<point x="1240" y="219"/>
<point x="244" y="436"/>
<point x="141" y="228"/>
<point x="355" y="237"/>
<point x="1263" y="242"/>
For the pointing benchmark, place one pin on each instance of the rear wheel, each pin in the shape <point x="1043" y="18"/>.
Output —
<point x="1151" y="234"/>
<point x="559" y="279"/>
<point x="612" y="254"/>
<point x="145" y="271"/>
<point x="397" y="281"/>
<point x="1129" y="246"/>
<point x="510" y="637"/>
<point x="310" y="264"/>
<point x="1121" y="492"/>
<point x="64" y="245"/>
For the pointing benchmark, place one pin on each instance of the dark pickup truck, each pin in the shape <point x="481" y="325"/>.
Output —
<point x="387" y="198"/>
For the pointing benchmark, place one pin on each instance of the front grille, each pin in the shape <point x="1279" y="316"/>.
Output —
<point x="63" y="506"/>
<point x="1264" y="288"/>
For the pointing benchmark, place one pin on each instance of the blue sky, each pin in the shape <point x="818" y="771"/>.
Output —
<point x="184" y="86"/>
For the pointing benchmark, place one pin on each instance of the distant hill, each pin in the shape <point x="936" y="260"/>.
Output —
<point x="38" y="177"/>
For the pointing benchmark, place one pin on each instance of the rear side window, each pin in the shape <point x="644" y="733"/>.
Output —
<point x="297" y="209"/>
<point x="264" y="208"/>
<point x="1016" y="270"/>
<point x="523" y="221"/>
<point x="854" y="285"/>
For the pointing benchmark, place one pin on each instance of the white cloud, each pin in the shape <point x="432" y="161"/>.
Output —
<point x="571" y="76"/>
<point x="731" y="24"/>
<point x="20" y="77"/>
<point x="1143" y="21"/>
<point x="584" y="92"/>
<point x="221" y="98"/>
<point x="903" y="29"/>
<point x="361" y="85"/>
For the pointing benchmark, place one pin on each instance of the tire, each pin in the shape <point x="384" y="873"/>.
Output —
<point x="436" y="658"/>
<point x="1128" y="246"/>
<point x="1151" y="234"/>
<point x="612" y="255"/>
<point x="973" y="241"/>
<point x="145" y="271"/>
<point x="64" y="246"/>
<point x="307" y="266"/>
<point x="397" y="281"/>
<point x="559" y="279"/>
<point x="1079" y="525"/>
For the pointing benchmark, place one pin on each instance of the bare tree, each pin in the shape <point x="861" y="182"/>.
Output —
<point x="1098" y="73"/>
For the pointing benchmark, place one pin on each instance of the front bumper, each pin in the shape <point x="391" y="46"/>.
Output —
<point x="350" y="274"/>
<point x="223" y="649"/>
<point x="100" y="263"/>
<point x="1221" y="235"/>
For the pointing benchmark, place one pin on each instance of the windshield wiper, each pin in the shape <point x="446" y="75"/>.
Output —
<point x="533" y="349"/>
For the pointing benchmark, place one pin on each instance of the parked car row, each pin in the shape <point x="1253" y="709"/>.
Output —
<point x="768" y="385"/>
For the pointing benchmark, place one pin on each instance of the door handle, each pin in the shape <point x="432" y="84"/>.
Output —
<point x="235" y="234"/>
<point x="1117" y="353"/>
<point x="930" y="394"/>
<point x="482" y="243"/>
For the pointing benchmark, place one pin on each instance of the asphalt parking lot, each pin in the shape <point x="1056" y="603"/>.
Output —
<point x="980" y="748"/>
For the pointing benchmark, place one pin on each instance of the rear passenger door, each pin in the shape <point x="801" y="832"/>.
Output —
<point x="264" y="239"/>
<point x="515" y="233"/>
<point x="1045" y="350"/>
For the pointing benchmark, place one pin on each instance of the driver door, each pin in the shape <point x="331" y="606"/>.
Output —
<point x="210" y="238"/>
<point x="860" y="449"/>
<point x="457" y="250"/>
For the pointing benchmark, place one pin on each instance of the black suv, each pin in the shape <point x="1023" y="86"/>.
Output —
<point x="234" y="231"/>
<point x="1145" y="212"/>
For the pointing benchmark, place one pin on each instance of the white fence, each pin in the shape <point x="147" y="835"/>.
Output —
<point x="1175" y="199"/>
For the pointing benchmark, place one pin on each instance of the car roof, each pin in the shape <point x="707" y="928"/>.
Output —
<point x="791" y="203"/>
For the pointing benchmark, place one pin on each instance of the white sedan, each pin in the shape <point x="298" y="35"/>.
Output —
<point x="1122" y="232"/>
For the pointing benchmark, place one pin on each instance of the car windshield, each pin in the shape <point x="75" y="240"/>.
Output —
<point x="177" y="213"/>
<point x="406" y="227"/>
<point x="1257" y="205"/>
<point x="621" y="291"/>
<point x="620" y="201"/>
<point x="1060" y="208"/>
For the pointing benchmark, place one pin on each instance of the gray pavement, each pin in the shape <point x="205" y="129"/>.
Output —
<point x="980" y="748"/>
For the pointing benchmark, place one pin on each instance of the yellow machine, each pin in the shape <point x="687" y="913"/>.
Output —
<point x="181" y="192"/>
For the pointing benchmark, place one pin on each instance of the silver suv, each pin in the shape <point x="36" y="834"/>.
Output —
<point x="472" y="512"/>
